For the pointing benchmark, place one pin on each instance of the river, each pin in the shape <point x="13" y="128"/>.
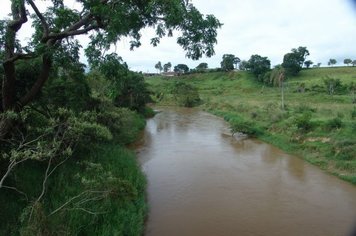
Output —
<point x="204" y="182"/>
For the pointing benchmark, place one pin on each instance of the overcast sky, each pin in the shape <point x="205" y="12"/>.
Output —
<point x="268" y="28"/>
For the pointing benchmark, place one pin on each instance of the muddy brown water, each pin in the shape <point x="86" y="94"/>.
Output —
<point x="203" y="182"/>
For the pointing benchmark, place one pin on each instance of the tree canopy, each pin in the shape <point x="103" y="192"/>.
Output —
<point x="332" y="62"/>
<point x="159" y="67"/>
<point x="181" y="68"/>
<point x="347" y="61"/>
<point x="202" y="66"/>
<point x="258" y="65"/>
<point x="293" y="61"/>
<point x="308" y="63"/>
<point x="167" y="67"/>
<point x="228" y="62"/>
<point x="106" y="22"/>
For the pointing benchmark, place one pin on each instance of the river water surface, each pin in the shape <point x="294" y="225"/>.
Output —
<point x="203" y="182"/>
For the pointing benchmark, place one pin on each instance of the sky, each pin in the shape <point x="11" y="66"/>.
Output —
<point x="268" y="28"/>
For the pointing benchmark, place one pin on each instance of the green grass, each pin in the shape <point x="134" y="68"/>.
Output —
<point x="110" y="167"/>
<point x="306" y="127"/>
<point x="102" y="184"/>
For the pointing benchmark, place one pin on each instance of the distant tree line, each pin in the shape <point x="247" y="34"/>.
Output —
<point x="293" y="62"/>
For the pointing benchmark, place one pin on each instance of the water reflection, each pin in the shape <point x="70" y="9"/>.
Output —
<point x="203" y="181"/>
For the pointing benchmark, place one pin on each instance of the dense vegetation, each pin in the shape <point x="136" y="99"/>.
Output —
<point x="64" y="168"/>
<point x="317" y="122"/>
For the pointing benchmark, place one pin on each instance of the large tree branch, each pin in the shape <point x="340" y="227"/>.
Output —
<point x="19" y="15"/>
<point x="41" y="17"/>
<point x="19" y="56"/>
<point x="65" y="34"/>
<point x="86" y="19"/>
<point x="18" y="11"/>
<point x="46" y="67"/>
<point x="71" y="29"/>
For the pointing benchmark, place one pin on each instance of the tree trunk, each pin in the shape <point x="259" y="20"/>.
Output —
<point x="282" y="91"/>
<point x="6" y="125"/>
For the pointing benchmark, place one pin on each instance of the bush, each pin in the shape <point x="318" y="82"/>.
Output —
<point x="123" y="123"/>
<point x="245" y="127"/>
<point x="303" y="122"/>
<point x="345" y="150"/>
<point x="186" y="95"/>
<point x="353" y="113"/>
<point x="335" y="123"/>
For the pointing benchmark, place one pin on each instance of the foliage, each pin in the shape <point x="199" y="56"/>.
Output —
<point x="353" y="113"/>
<point x="333" y="85"/>
<point x="55" y="29"/>
<point x="347" y="61"/>
<point x="186" y="95"/>
<point x="181" y="68"/>
<point x="303" y="122"/>
<point x="228" y="62"/>
<point x="202" y="66"/>
<point x="245" y="127"/>
<point x="345" y="150"/>
<point x="243" y="65"/>
<point x="57" y="170"/>
<point x="167" y="67"/>
<point x="294" y="60"/>
<point x="332" y="62"/>
<point x="335" y="123"/>
<point x="258" y="65"/>
<point x="159" y="67"/>
<point x="308" y="63"/>
<point x="127" y="88"/>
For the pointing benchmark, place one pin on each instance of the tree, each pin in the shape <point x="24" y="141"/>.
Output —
<point x="332" y="85"/>
<point x="167" y="67"/>
<point x="258" y="65"/>
<point x="106" y="21"/>
<point x="158" y="67"/>
<point x="277" y="78"/>
<point x="127" y="88"/>
<point x="228" y="62"/>
<point x="332" y="62"/>
<point x="308" y="63"/>
<point x="347" y="61"/>
<point x="181" y="68"/>
<point x="185" y="94"/>
<point x="354" y="63"/>
<point x="243" y="65"/>
<point x="294" y="60"/>
<point x="202" y="66"/>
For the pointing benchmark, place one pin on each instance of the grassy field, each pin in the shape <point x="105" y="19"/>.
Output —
<point x="317" y="126"/>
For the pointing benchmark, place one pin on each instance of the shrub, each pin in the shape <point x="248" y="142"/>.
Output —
<point x="353" y="113"/>
<point x="245" y="127"/>
<point x="186" y="95"/>
<point x="335" y="123"/>
<point x="333" y="85"/>
<point x="345" y="150"/>
<point x="303" y="122"/>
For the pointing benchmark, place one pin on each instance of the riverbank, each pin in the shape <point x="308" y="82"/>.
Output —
<point x="100" y="190"/>
<point x="314" y="125"/>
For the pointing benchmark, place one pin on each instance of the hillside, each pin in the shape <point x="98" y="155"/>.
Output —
<point x="316" y="125"/>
